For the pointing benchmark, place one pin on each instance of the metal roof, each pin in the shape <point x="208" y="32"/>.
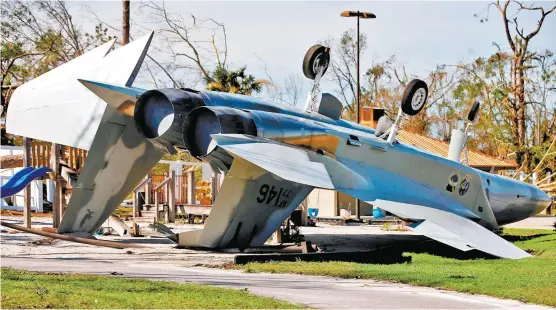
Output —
<point x="475" y="158"/>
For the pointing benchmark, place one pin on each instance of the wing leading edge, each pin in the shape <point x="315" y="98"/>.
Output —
<point x="452" y="229"/>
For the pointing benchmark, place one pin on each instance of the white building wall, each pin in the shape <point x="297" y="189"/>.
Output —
<point x="322" y="199"/>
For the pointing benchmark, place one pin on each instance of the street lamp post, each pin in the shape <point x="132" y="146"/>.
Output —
<point x="364" y="15"/>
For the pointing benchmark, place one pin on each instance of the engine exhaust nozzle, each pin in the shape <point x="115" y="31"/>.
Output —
<point x="203" y="122"/>
<point x="159" y="114"/>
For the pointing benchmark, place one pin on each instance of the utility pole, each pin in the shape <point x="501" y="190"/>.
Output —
<point x="359" y="15"/>
<point x="125" y="22"/>
<point x="358" y="118"/>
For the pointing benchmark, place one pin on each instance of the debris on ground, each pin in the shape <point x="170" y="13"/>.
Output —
<point x="44" y="241"/>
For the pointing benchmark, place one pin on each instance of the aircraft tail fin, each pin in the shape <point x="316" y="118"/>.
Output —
<point x="73" y="113"/>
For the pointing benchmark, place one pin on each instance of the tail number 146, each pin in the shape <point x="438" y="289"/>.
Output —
<point x="279" y="196"/>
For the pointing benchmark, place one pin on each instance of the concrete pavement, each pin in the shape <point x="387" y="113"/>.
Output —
<point x="312" y="291"/>
<point x="162" y="261"/>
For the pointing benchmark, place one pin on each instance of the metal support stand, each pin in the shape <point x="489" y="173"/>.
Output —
<point x="394" y="129"/>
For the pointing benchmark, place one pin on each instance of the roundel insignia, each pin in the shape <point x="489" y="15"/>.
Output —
<point x="464" y="185"/>
<point x="453" y="180"/>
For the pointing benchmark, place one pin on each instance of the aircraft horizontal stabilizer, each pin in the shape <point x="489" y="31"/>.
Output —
<point x="452" y="229"/>
<point x="119" y="97"/>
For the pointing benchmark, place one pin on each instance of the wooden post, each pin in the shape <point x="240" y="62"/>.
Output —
<point x="191" y="187"/>
<point x="172" y="197"/>
<point x="134" y="200"/>
<point x="27" y="192"/>
<point x="57" y="190"/>
<point x="125" y="22"/>
<point x="214" y="185"/>
<point x="304" y="212"/>
<point x="62" y="198"/>
<point x="149" y="189"/>
<point x="156" y="208"/>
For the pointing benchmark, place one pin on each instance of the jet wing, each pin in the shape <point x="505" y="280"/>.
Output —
<point x="292" y="164"/>
<point x="300" y="166"/>
<point x="452" y="229"/>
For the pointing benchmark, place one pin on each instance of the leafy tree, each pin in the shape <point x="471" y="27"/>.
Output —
<point x="230" y="81"/>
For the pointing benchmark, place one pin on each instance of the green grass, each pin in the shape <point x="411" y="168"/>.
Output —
<point x="528" y="280"/>
<point x="23" y="289"/>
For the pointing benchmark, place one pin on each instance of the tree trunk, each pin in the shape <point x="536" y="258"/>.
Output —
<point x="125" y="22"/>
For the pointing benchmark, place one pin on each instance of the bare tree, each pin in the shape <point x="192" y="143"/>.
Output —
<point x="343" y="66"/>
<point x="184" y="42"/>
<point x="518" y="40"/>
<point x="293" y="87"/>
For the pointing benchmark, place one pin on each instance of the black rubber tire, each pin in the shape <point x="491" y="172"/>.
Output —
<point x="411" y="105"/>
<point x="474" y="111"/>
<point x="316" y="52"/>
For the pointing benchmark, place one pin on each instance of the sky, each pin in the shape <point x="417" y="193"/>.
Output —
<point x="421" y="34"/>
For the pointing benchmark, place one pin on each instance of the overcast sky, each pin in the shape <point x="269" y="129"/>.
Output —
<point x="420" y="34"/>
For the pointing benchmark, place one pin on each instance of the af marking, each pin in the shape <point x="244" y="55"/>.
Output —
<point x="279" y="195"/>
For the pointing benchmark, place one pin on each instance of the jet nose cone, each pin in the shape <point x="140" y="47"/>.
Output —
<point x="541" y="199"/>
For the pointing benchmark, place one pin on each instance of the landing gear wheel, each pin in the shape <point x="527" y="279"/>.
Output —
<point x="316" y="57"/>
<point x="414" y="97"/>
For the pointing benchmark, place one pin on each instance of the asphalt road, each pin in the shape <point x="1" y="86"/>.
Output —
<point x="315" y="292"/>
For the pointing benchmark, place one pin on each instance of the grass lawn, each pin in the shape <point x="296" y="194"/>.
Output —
<point x="528" y="280"/>
<point x="23" y="289"/>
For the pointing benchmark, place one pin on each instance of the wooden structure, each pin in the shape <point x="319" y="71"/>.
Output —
<point x="163" y="197"/>
<point x="63" y="161"/>
<point x="41" y="155"/>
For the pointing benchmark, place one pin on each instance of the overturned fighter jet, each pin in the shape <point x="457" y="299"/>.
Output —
<point x="272" y="155"/>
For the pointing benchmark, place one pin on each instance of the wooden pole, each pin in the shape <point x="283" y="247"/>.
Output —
<point x="149" y="189"/>
<point x="156" y="208"/>
<point x="27" y="191"/>
<point x="172" y="196"/>
<point x="304" y="211"/>
<point x="110" y="244"/>
<point x="125" y="22"/>
<point x="191" y="187"/>
<point x="57" y="190"/>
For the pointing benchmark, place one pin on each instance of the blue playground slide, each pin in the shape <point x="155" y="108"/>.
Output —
<point x="21" y="179"/>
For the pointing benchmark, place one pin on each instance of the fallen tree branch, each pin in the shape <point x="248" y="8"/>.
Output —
<point x="104" y="243"/>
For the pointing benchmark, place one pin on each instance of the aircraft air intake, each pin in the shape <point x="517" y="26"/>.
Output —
<point x="159" y="114"/>
<point x="203" y="122"/>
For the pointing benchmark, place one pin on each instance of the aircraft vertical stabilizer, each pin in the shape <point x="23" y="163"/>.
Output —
<point x="56" y="107"/>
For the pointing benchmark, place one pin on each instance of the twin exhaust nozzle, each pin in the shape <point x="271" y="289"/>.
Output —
<point x="179" y="118"/>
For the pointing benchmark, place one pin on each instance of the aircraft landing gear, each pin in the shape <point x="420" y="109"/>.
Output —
<point x="413" y="101"/>
<point x="414" y="97"/>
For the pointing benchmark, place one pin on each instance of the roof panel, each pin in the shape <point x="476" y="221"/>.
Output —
<point x="475" y="159"/>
